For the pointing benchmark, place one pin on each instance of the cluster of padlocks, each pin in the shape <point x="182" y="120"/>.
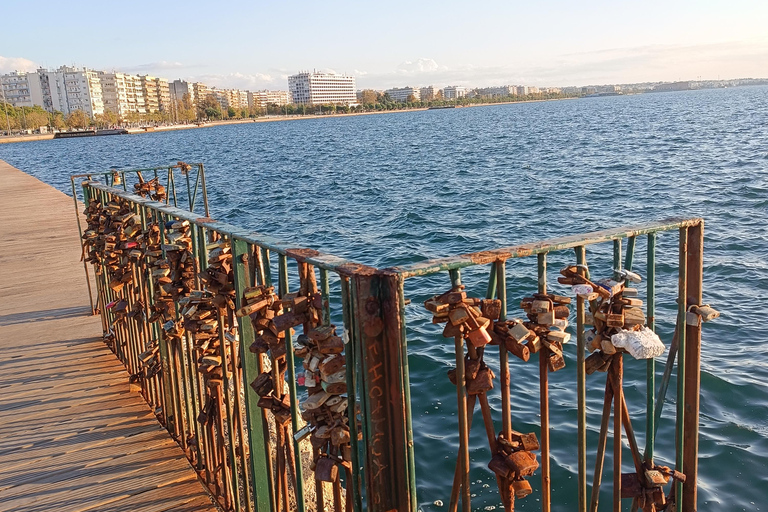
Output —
<point x="151" y="189"/>
<point x="478" y="322"/>
<point x="617" y="326"/>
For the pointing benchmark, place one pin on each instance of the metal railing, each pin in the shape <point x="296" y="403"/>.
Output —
<point x="255" y="449"/>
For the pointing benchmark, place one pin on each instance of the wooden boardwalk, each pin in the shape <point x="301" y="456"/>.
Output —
<point x="72" y="436"/>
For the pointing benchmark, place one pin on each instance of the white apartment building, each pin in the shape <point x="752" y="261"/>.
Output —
<point x="492" y="92"/>
<point x="65" y="89"/>
<point x="402" y="94"/>
<point x="261" y="99"/>
<point x="21" y="89"/>
<point x="322" y="88"/>
<point x="428" y="93"/>
<point x="453" y="92"/>
<point x="114" y="91"/>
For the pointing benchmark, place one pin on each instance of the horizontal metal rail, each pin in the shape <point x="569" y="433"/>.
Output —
<point x="311" y="256"/>
<point x="432" y="266"/>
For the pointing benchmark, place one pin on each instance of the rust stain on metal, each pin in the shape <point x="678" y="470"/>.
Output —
<point x="352" y="269"/>
<point x="301" y="254"/>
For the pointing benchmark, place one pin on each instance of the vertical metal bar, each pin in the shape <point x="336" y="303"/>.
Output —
<point x="544" y="399"/>
<point x="267" y="268"/>
<point x="325" y="292"/>
<point x="461" y="396"/>
<point x="650" y="372"/>
<point x="601" y="445"/>
<point x="291" y="360"/>
<point x="618" y="370"/>
<point x="616" y="257"/>
<point x="629" y="259"/>
<point x="349" y="354"/>
<point x="205" y="191"/>
<point x="500" y="270"/>
<point x="82" y="245"/>
<point x="405" y="370"/>
<point x="194" y="190"/>
<point x="376" y="310"/>
<point x="581" y="389"/>
<point x="251" y="367"/>
<point x="681" y="353"/>
<point x="490" y="292"/>
<point x="694" y="270"/>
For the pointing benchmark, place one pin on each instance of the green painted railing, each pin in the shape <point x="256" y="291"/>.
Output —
<point x="238" y="456"/>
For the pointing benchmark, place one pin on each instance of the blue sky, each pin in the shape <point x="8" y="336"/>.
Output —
<point x="257" y="44"/>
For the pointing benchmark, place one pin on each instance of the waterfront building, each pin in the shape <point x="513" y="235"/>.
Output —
<point x="428" y="93"/>
<point x="83" y="91"/>
<point x="522" y="90"/>
<point x="322" y="88"/>
<point x="403" y="94"/>
<point x="200" y="92"/>
<point x="115" y="92"/>
<point x="495" y="92"/>
<point x="178" y="88"/>
<point x="453" y="92"/>
<point x="261" y="99"/>
<point x="65" y="89"/>
<point x="21" y="89"/>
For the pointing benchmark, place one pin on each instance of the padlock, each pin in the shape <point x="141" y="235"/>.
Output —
<point x="541" y="306"/>
<point x="521" y="488"/>
<point x="615" y="317"/>
<point x="331" y="345"/>
<point x="607" y="347"/>
<point x="326" y="470"/>
<point x="706" y="312"/>
<point x="458" y="315"/>
<point x="479" y="337"/>
<point x="482" y="382"/>
<point x="521" y="463"/>
<point x="630" y="486"/>
<point x="558" y="336"/>
<point x="518" y="349"/>
<point x="491" y="308"/>
<point x="499" y="466"/>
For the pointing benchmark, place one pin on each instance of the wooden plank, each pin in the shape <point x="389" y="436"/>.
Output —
<point x="72" y="436"/>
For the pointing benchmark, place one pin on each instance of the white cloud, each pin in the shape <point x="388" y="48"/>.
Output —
<point x="418" y="66"/>
<point x="8" y="64"/>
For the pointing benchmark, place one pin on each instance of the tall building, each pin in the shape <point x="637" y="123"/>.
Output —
<point x="65" y="89"/>
<point x="428" y="93"/>
<point x="402" y="94"/>
<point x="178" y="88"/>
<point x="453" y="92"/>
<point x="22" y="89"/>
<point x="322" y="88"/>
<point x="200" y="92"/>
<point x="114" y="90"/>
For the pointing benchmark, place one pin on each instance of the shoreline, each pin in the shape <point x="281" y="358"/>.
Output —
<point x="273" y="119"/>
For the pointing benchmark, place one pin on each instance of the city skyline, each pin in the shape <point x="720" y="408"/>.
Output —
<point x="455" y="44"/>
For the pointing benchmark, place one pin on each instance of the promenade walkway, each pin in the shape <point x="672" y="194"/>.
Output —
<point x="72" y="436"/>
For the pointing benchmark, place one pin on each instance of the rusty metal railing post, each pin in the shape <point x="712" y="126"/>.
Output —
<point x="251" y="367"/>
<point x="376" y="306"/>
<point x="694" y="268"/>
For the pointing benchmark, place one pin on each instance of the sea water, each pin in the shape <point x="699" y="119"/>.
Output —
<point x="393" y="189"/>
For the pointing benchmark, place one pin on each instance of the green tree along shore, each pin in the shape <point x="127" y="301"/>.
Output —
<point x="18" y="119"/>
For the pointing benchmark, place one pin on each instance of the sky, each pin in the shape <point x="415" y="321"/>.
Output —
<point x="257" y="44"/>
